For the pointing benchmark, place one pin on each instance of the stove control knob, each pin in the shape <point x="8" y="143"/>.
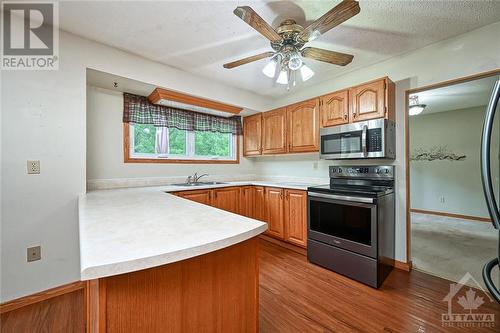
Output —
<point x="377" y="171"/>
<point x="339" y="170"/>
<point x="386" y="170"/>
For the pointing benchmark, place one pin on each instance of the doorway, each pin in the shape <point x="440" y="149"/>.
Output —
<point x="449" y="225"/>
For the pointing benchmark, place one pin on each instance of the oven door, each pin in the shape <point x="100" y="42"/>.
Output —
<point x="345" y="222"/>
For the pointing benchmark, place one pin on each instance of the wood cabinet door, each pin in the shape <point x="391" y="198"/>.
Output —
<point x="367" y="101"/>
<point x="201" y="196"/>
<point x="274" y="131"/>
<point x="259" y="204"/>
<point x="247" y="199"/>
<point x="227" y="198"/>
<point x="296" y="217"/>
<point x="252" y="135"/>
<point x="274" y="208"/>
<point x="334" y="108"/>
<point x="303" y="126"/>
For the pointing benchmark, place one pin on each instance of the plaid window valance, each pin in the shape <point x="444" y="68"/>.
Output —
<point x="138" y="110"/>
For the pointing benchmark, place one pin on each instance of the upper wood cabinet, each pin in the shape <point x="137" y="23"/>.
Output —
<point x="252" y="135"/>
<point x="274" y="131"/>
<point x="227" y="198"/>
<point x="274" y="210"/>
<point x="303" y="126"/>
<point x="296" y="217"/>
<point x="334" y="108"/>
<point x="295" y="128"/>
<point x="372" y="100"/>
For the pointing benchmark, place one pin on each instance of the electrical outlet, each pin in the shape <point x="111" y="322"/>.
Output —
<point x="34" y="253"/>
<point x="315" y="165"/>
<point x="441" y="199"/>
<point x="33" y="167"/>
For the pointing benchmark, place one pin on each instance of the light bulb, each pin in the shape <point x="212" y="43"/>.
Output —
<point x="282" y="78"/>
<point x="306" y="73"/>
<point x="269" y="69"/>
<point x="295" y="61"/>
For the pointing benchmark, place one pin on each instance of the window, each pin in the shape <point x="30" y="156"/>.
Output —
<point x="146" y="143"/>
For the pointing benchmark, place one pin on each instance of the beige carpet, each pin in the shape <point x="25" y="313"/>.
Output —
<point x="450" y="247"/>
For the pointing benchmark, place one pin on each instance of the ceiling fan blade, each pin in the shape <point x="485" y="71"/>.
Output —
<point x="335" y="16"/>
<point x="248" y="60"/>
<point x="331" y="57"/>
<point x="253" y="19"/>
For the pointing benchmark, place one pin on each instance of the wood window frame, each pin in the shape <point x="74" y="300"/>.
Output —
<point x="128" y="159"/>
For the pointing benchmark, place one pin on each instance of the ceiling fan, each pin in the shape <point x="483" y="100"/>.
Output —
<point x="288" y="42"/>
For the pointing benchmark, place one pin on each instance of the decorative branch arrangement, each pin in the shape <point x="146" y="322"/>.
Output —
<point x="435" y="153"/>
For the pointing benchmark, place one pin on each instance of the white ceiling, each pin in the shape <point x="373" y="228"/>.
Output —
<point x="458" y="96"/>
<point x="199" y="36"/>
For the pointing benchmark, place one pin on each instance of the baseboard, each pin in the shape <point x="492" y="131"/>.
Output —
<point x="41" y="296"/>
<point x="405" y="266"/>
<point x="289" y="246"/>
<point x="457" y="216"/>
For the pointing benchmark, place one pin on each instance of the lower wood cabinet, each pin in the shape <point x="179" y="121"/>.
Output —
<point x="284" y="210"/>
<point x="247" y="199"/>
<point x="201" y="196"/>
<point x="259" y="204"/>
<point x="227" y="198"/>
<point x="296" y="217"/>
<point x="274" y="210"/>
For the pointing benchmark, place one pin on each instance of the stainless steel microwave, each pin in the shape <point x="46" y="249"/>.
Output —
<point x="360" y="140"/>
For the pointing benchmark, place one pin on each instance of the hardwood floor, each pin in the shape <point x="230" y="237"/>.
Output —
<point x="296" y="296"/>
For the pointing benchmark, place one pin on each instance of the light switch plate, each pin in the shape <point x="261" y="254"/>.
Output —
<point x="33" y="167"/>
<point x="34" y="253"/>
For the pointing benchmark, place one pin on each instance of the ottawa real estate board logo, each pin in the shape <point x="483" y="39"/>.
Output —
<point x="466" y="305"/>
<point x="30" y="35"/>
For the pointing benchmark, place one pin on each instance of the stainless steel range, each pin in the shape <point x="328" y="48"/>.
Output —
<point x="351" y="223"/>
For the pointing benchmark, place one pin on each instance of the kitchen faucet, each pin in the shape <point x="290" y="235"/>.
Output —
<point x="195" y="178"/>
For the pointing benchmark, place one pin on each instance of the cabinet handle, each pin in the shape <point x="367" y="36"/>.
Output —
<point x="345" y="116"/>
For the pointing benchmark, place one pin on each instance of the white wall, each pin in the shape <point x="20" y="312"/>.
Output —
<point x="105" y="146"/>
<point x="467" y="54"/>
<point x="458" y="182"/>
<point x="44" y="118"/>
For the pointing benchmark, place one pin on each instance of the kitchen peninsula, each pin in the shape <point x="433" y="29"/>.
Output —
<point x="156" y="262"/>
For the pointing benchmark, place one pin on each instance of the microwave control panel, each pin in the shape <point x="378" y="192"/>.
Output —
<point x="374" y="139"/>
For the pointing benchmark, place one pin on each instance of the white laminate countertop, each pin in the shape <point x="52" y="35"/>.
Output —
<point x="126" y="230"/>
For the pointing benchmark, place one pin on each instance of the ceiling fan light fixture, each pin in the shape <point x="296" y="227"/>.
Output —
<point x="269" y="69"/>
<point x="306" y="73"/>
<point x="294" y="61"/>
<point x="283" y="77"/>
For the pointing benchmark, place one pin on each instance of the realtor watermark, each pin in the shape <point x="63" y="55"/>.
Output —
<point x="465" y="305"/>
<point x="30" y="35"/>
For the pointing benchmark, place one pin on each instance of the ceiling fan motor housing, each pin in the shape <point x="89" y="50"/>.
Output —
<point x="288" y="30"/>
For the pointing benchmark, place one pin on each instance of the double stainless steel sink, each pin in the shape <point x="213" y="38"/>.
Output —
<point x="198" y="183"/>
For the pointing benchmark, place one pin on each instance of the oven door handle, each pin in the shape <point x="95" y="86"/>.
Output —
<point x="363" y="140"/>
<point x="341" y="197"/>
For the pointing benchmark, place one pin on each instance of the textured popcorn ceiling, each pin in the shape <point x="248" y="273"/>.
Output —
<point x="199" y="36"/>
